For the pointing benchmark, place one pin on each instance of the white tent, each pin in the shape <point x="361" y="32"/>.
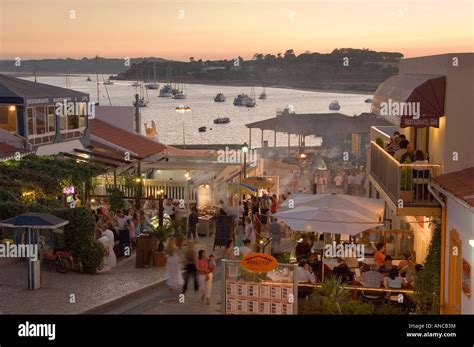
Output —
<point x="373" y="209"/>
<point x="327" y="220"/>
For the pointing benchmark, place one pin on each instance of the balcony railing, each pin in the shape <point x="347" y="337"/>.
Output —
<point x="384" y="132"/>
<point x="149" y="189"/>
<point x="405" y="184"/>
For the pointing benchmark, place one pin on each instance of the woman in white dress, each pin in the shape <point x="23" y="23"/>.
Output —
<point x="174" y="265"/>
<point x="111" y="260"/>
<point x="249" y="232"/>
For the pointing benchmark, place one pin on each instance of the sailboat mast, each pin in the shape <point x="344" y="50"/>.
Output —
<point x="97" y="77"/>
<point x="154" y="72"/>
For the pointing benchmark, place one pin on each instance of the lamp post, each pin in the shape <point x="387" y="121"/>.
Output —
<point x="183" y="109"/>
<point x="186" y="198"/>
<point x="302" y="158"/>
<point x="161" y="208"/>
<point x="245" y="150"/>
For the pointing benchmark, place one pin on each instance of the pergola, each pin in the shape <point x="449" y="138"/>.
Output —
<point x="317" y="124"/>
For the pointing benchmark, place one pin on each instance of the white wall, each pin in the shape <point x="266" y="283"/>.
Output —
<point x="119" y="116"/>
<point x="459" y="106"/>
<point x="461" y="219"/>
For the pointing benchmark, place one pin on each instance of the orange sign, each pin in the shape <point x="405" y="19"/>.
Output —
<point x="259" y="262"/>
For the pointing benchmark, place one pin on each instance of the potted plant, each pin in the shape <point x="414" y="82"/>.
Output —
<point x="379" y="141"/>
<point x="179" y="231"/>
<point x="162" y="233"/>
<point x="406" y="182"/>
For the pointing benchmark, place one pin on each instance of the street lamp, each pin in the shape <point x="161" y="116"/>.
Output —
<point x="183" y="109"/>
<point x="245" y="150"/>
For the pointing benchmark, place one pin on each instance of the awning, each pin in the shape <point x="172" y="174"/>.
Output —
<point x="398" y="91"/>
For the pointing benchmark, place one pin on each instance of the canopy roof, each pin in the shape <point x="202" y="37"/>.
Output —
<point x="320" y="124"/>
<point x="19" y="91"/>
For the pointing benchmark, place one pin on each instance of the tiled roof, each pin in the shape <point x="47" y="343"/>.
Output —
<point x="141" y="145"/>
<point x="6" y="148"/>
<point x="8" y="151"/>
<point x="459" y="183"/>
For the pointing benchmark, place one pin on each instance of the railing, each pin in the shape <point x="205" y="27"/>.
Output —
<point x="384" y="132"/>
<point x="405" y="184"/>
<point x="149" y="189"/>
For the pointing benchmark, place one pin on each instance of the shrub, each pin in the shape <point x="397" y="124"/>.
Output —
<point x="357" y="307"/>
<point x="427" y="281"/>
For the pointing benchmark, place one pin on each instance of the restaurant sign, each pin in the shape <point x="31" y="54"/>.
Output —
<point x="420" y="122"/>
<point x="259" y="262"/>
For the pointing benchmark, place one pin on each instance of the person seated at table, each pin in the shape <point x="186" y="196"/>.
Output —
<point x="303" y="275"/>
<point x="408" y="272"/>
<point x="303" y="248"/>
<point x="379" y="256"/>
<point x="372" y="278"/>
<point x="404" y="261"/>
<point x="369" y="249"/>
<point x="342" y="271"/>
<point x="393" y="280"/>
<point x="387" y="266"/>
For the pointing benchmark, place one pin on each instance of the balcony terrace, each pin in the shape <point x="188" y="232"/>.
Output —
<point x="403" y="186"/>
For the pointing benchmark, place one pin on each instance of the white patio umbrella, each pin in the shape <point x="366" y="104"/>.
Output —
<point x="318" y="213"/>
<point x="372" y="208"/>
<point x="327" y="220"/>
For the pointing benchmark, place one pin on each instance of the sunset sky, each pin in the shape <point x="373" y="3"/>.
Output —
<point x="226" y="28"/>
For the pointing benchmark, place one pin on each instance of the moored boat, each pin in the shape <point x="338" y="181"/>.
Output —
<point x="222" y="120"/>
<point x="334" y="106"/>
<point x="220" y="98"/>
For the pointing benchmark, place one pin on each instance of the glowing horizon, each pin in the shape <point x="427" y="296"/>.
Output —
<point x="226" y="29"/>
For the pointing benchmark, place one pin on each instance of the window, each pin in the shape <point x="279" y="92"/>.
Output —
<point x="30" y="122"/>
<point x="51" y="120"/>
<point x="41" y="120"/>
<point x="8" y="118"/>
<point x="41" y="124"/>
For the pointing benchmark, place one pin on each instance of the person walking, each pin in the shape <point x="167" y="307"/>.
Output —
<point x="322" y="182"/>
<point x="338" y="181"/>
<point x="193" y="221"/>
<point x="190" y="267"/>
<point x="173" y="265"/>
<point x="205" y="276"/>
<point x="111" y="260"/>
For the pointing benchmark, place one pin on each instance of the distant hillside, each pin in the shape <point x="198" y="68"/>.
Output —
<point x="71" y="66"/>
<point x="342" y="69"/>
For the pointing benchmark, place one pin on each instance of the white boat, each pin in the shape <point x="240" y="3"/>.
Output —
<point x="241" y="100"/>
<point x="108" y="82"/>
<point x="286" y="111"/>
<point x="166" y="91"/>
<point x="222" y="120"/>
<point x="179" y="95"/>
<point x="220" y="98"/>
<point x="136" y="84"/>
<point x="153" y="85"/>
<point x="142" y="101"/>
<point x="334" y="106"/>
<point x="263" y="96"/>
<point x="244" y="100"/>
